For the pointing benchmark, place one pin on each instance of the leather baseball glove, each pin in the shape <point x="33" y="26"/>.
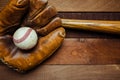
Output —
<point x="37" y="15"/>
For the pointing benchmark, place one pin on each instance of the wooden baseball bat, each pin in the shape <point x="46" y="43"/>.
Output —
<point x="93" y="25"/>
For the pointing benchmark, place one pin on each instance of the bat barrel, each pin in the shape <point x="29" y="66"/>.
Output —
<point x="93" y="25"/>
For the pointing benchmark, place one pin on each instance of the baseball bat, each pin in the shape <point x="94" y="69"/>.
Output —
<point x="93" y="25"/>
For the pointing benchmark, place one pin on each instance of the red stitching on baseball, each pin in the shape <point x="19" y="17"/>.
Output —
<point x="24" y="36"/>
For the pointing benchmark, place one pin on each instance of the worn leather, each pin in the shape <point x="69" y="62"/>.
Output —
<point x="11" y="15"/>
<point x="37" y="15"/>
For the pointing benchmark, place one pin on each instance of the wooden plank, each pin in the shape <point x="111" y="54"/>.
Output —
<point x="65" y="72"/>
<point x="87" y="51"/>
<point x="74" y="33"/>
<point x="77" y="72"/>
<point x="90" y="15"/>
<point x="86" y="5"/>
<point x="82" y="5"/>
<point x="104" y="47"/>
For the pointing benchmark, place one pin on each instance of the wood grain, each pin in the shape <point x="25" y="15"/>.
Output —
<point x="91" y="15"/>
<point x="87" y="51"/>
<point x="72" y="33"/>
<point x="112" y="27"/>
<point x="91" y="47"/>
<point x="82" y="5"/>
<point x="86" y="5"/>
<point x="65" y="72"/>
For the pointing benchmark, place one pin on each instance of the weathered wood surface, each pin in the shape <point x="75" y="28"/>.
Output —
<point x="82" y="5"/>
<point x="85" y="47"/>
<point x="91" y="15"/>
<point x="65" y="72"/>
<point x="87" y="51"/>
<point x="79" y="47"/>
<point x="86" y="5"/>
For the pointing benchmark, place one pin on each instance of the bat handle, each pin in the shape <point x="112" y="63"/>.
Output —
<point x="93" y="25"/>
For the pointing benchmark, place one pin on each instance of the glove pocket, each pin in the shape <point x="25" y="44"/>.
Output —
<point x="26" y="60"/>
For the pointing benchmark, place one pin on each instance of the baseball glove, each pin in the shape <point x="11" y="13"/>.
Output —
<point x="38" y="15"/>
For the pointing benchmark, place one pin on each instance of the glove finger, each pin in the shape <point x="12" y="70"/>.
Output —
<point x="25" y="60"/>
<point x="55" y="23"/>
<point x="12" y="14"/>
<point x="36" y="6"/>
<point x="41" y="19"/>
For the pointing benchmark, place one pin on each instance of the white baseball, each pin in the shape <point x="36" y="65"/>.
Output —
<point x="25" y="38"/>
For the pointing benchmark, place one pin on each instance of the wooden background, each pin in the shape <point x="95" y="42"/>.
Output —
<point x="86" y="5"/>
<point x="83" y="55"/>
<point x="82" y="5"/>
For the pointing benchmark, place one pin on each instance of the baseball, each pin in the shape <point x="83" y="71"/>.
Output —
<point x="25" y="38"/>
